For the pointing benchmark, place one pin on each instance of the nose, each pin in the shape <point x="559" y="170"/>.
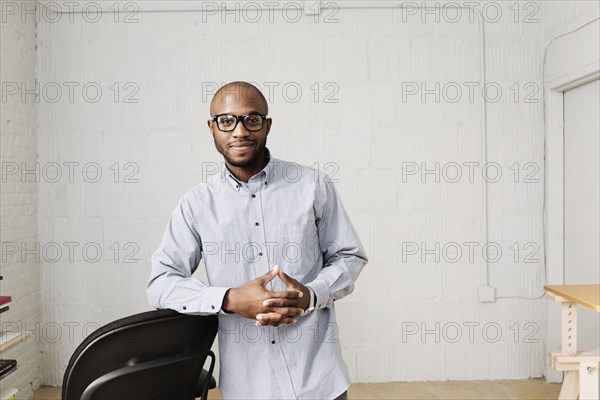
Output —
<point x="240" y="130"/>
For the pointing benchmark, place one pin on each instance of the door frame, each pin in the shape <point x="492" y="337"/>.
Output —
<point x="579" y="67"/>
<point x="554" y="213"/>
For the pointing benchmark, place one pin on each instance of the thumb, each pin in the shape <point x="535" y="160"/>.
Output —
<point x="268" y="277"/>
<point x="288" y="280"/>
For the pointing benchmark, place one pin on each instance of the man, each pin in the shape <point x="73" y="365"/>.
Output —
<point x="278" y="248"/>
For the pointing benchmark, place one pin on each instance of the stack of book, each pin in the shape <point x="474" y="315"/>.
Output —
<point x="7" y="366"/>
<point x="7" y="338"/>
<point x="5" y="303"/>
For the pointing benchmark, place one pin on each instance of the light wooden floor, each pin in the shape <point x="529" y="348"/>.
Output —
<point x="514" y="389"/>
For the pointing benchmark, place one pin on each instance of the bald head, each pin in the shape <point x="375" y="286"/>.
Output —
<point x="238" y="92"/>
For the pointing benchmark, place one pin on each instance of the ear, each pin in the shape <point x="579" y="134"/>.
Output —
<point x="269" y="122"/>
<point x="210" y="126"/>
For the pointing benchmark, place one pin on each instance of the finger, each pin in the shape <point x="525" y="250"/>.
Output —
<point x="274" y="319"/>
<point x="275" y="324"/>
<point x="288" y="280"/>
<point x="281" y="303"/>
<point x="286" y="311"/>
<point x="268" y="277"/>
<point x="283" y="294"/>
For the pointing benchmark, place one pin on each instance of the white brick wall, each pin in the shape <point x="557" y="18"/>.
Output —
<point x="19" y="199"/>
<point x="164" y="60"/>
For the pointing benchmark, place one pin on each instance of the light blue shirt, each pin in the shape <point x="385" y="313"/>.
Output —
<point x="287" y="214"/>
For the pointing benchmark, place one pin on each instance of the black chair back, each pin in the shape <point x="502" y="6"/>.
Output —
<point x="153" y="355"/>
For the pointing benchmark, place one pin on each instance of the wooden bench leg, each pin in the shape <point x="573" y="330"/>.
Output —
<point x="570" y="386"/>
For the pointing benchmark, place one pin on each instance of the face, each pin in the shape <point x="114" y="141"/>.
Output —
<point x="240" y="148"/>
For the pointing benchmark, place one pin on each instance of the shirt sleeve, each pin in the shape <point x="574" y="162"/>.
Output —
<point x="343" y="254"/>
<point x="171" y="284"/>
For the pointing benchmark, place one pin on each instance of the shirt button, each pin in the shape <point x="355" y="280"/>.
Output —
<point x="272" y="342"/>
<point x="253" y="196"/>
<point x="213" y="307"/>
<point x="184" y="308"/>
<point x="256" y="223"/>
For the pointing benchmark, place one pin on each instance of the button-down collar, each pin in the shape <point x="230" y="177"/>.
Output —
<point x="264" y="175"/>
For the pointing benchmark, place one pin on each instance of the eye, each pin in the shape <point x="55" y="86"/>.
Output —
<point x="253" y="119"/>
<point x="226" y="120"/>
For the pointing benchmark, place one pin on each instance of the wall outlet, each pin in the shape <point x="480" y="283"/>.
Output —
<point x="486" y="294"/>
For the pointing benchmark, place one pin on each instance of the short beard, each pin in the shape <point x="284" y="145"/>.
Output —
<point x="256" y="158"/>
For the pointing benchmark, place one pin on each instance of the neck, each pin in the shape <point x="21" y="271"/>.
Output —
<point x="245" y="173"/>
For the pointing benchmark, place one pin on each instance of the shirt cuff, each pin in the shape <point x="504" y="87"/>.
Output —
<point x="209" y="303"/>
<point x="321" y="292"/>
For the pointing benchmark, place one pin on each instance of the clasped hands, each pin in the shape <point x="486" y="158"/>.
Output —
<point x="274" y="308"/>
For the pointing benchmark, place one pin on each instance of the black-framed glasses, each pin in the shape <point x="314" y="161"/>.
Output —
<point x="228" y="122"/>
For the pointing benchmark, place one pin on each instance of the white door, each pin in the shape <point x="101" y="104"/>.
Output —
<point x="582" y="199"/>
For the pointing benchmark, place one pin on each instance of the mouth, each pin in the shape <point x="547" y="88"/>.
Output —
<point x="241" y="145"/>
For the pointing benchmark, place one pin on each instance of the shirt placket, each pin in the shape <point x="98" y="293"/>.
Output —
<point x="257" y="228"/>
<point x="257" y="188"/>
